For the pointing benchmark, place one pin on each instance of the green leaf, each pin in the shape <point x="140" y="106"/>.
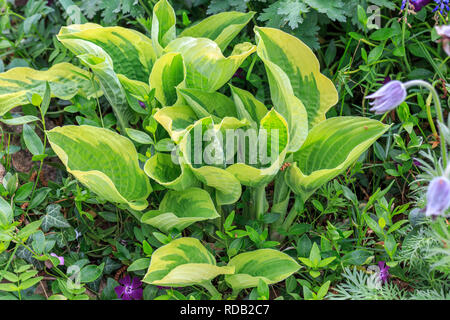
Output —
<point x="6" y="212"/>
<point x="314" y="273"/>
<point x="373" y="225"/>
<point x="263" y="289"/>
<point x="101" y="64"/>
<point x="163" y="25"/>
<point x="65" y="81"/>
<point x="268" y="265"/>
<point x="39" y="197"/>
<point x="19" y="120"/>
<point x="32" y="140"/>
<point x="356" y="257"/>
<point x="228" y="188"/>
<point x="307" y="293"/>
<point x="314" y="255"/>
<point x="91" y="273"/>
<point x="175" y="120"/>
<point x="283" y="98"/>
<point x="331" y="147"/>
<point x="323" y="290"/>
<point x="148" y="250"/>
<point x="8" y="287"/>
<point x="335" y="10"/>
<point x="325" y="262"/>
<point x="29" y="283"/>
<point x="164" y="170"/>
<point x="206" y="67"/>
<point x="168" y="73"/>
<point x="300" y="65"/>
<point x="222" y="28"/>
<point x="180" y="209"/>
<point x="382" y="34"/>
<point x="115" y="175"/>
<point x="183" y="262"/>
<point x="396" y="226"/>
<point x="28" y="230"/>
<point x="248" y="107"/>
<point x="206" y="104"/>
<point x="54" y="218"/>
<point x="139" y="136"/>
<point x="307" y="262"/>
<point x="131" y="52"/>
<point x="9" y="276"/>
<point x="45" y="99"/>
<point x="270" y="161"/>
<point x="139" y="90"/>
<point x="139" y="264"/>
<point x="165" y="145"/>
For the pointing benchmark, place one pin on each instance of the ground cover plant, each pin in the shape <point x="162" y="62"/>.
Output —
<point x="180" y="150"/>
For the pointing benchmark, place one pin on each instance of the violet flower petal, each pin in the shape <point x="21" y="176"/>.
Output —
<point x="438" y="196"/>
<point x="137" y="294"/>
<point x="136" y="283"/>
<point x="443" y="31"/>
<point x="126" y="296"/>
<point x="419" y="4"/>
<point x="126" y="281"/>
<point x="119" y="291"/>
<point x="388" y="97"/>
<point x="61" y="259"/>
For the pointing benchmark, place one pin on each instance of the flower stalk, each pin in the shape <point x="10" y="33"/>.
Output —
<point x="439" y="114"/>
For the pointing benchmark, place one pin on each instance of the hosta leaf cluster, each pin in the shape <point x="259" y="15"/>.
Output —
<point x="176" y="87"/>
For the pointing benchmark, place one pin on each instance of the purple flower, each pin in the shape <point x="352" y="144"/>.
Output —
<point x="129" y="290"/>
<point x="442" y="6"/>
<point x="438" y="196"/>
<point x="239" y="74"/>
<point x="444" y="32"/>
<point x="419" y="4"/>
<point x="142" y="104"/>
<point x="386" y="80"/>
<point x="61" y="259"/>
<point x="416" y="4"/>
<point x="388" y="97"/>
<point x="384" y="271"/>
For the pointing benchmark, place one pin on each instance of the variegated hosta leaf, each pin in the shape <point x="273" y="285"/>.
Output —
<point x="222" y="28"/>
<point x="101" y="64"/>
<point x="301" y="66"/>
<point x="104" y="161"/>
<point x="183" y="262"/>
<point x="175" y="120"/>
<point x="248" y="107"/>
<point x="163" y="25"/>
<point x="164" y="170"/>
<point x="168" y="72"/>
<point x="268" y="164"/>
<point x="179" y="209"/>
<point x="205" y="156"/>
<point x="284" y="100"/>
<point x="206" y="104"/>
<point x="331" y="147"/>
<point x="65" y="80"/>
<point x="131" y="52"/>
<point x="207" y="69"/>
<point x="269" y="265"/>
<point x="139" y="90"/>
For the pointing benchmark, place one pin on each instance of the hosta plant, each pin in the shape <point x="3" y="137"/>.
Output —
<point x="181" y="126"/>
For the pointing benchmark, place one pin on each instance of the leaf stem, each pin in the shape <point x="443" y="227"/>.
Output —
<point x="292" y="214"/>
<point x="260" y="201"/>
<point x="215" y="295"/>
